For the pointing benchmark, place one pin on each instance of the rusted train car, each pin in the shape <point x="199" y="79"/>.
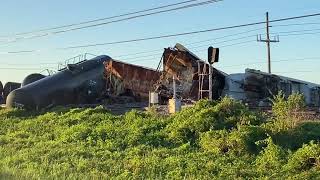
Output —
<point x="191" y="74"/>
<point x="253" y="87"/>
<point x="128" y="79"/>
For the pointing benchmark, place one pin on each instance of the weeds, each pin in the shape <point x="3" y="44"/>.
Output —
<point x="212" y="140"/>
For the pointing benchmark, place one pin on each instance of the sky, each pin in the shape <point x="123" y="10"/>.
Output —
<point x="296" y="55"/>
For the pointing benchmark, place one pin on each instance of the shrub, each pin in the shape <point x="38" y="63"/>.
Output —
<point x="271" y="159"/>
<point x="238" y="142"/>
<point x="286" y="111"/>
<point x="187" y="125"/>
<point x="305" y="158"/>
<point x="212" y="140"/>
<point x="294" y="138"/>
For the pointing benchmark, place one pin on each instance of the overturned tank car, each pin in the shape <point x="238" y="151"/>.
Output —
<point x="32" y="78"/>
<point x="8" y="88"/>
<point x="75" y="84"/>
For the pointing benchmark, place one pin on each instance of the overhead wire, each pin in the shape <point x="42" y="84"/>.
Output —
<point x="244" y="37"/>
<point x="158" y="54"/>
<point x="295" y="24"/>
<point x="274" y="61"/>
<point x="188" y="33"/>
<point x="123" y="19"/>
<point x="206" y="40"/>
<point x="22" y="69"/>
<point x="196" y="42"/>
<point x="202" y="41"/>
<point x="228" y="45"/>
<point x="100" y="19"/>
<point x="174" y="35"/>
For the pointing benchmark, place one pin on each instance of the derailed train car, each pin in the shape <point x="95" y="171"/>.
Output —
<point x="32" y="78"/>
<point x="253" y="87"/>
<point x="78" y="83"/>
<point x="256" y="88"/>
<point x="89" y="80"/>
<point x="129" y="80"/>
<point x="8" y="88"/>
<point x="189" y="71"/>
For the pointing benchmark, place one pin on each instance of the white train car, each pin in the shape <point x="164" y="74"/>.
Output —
<point x="256" y="88"/>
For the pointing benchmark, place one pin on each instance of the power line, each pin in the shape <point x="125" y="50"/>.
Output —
<point x="280" y="60"/>
<point x="150" y="55"/>
<point x="127" y="18"/>
<point x="302" y="71"/>
<point x="101" y="19"/>
<point x="195" y="47"/>
<point x="229" y="40"/>
<point x="229" y="45"/>
<point x="192" y="32"/>
<point x="26" y="64"/>
<point x="174" y="35"/>
<point x="298" y="34"/>
<point x="196" y="42"/>
<point x="212" y="39"/>
<point x="305" y="30"/>
<point x="22" y="69"/>
<point x="296" y="24"/>
<point x="136" y="12"/>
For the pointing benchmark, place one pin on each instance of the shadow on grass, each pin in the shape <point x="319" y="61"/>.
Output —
<point x="25" y="114"/>
<point x="293" y="139"/>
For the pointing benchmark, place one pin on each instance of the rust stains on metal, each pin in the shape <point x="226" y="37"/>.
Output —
<point x="128" y="79"/>
<point x="186" y="67"/>
<point x="178" y="62"/>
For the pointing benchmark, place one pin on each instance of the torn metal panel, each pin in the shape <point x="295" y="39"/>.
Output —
<point x="186" y="67"/>
<point x="260" y="86"/>
<point x="234" y="87"/>
<point x="123" y="78"/>
<point x="315" y="96"/>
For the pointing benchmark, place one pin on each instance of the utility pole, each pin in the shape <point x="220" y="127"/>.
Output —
<point x="268" y="41"/>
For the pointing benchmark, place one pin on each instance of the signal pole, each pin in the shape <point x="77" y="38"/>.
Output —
<point x="210" y="82"/>
<point x="268" y="41"/>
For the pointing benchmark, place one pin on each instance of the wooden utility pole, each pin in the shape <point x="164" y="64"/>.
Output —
<point x="268" y="41"/>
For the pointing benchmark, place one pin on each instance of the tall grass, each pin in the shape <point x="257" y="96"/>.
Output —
<point x="212" y="140"/>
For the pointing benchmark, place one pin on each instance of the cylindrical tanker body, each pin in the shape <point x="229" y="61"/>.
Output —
<point x="8" y="88"/>
<point x="62" y="88"/>
<point x="32" y="78"/>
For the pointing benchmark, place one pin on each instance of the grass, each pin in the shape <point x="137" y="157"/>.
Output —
<point x="212" y="140"/>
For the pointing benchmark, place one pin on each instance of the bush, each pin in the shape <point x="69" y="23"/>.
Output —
<point x="286" y="111"/>
<point x="305" y="158"/>
<point x="212" y="140"/>
<point x="187" y="125"/>
<point x="238" y="142"/>
<point x="294" y="138"/>
<point x="271" y="159"/>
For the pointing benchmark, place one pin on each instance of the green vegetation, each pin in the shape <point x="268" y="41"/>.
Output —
<point x="212" y="140"/>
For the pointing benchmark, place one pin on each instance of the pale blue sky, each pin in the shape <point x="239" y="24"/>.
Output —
<point x="25" y="15"/>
